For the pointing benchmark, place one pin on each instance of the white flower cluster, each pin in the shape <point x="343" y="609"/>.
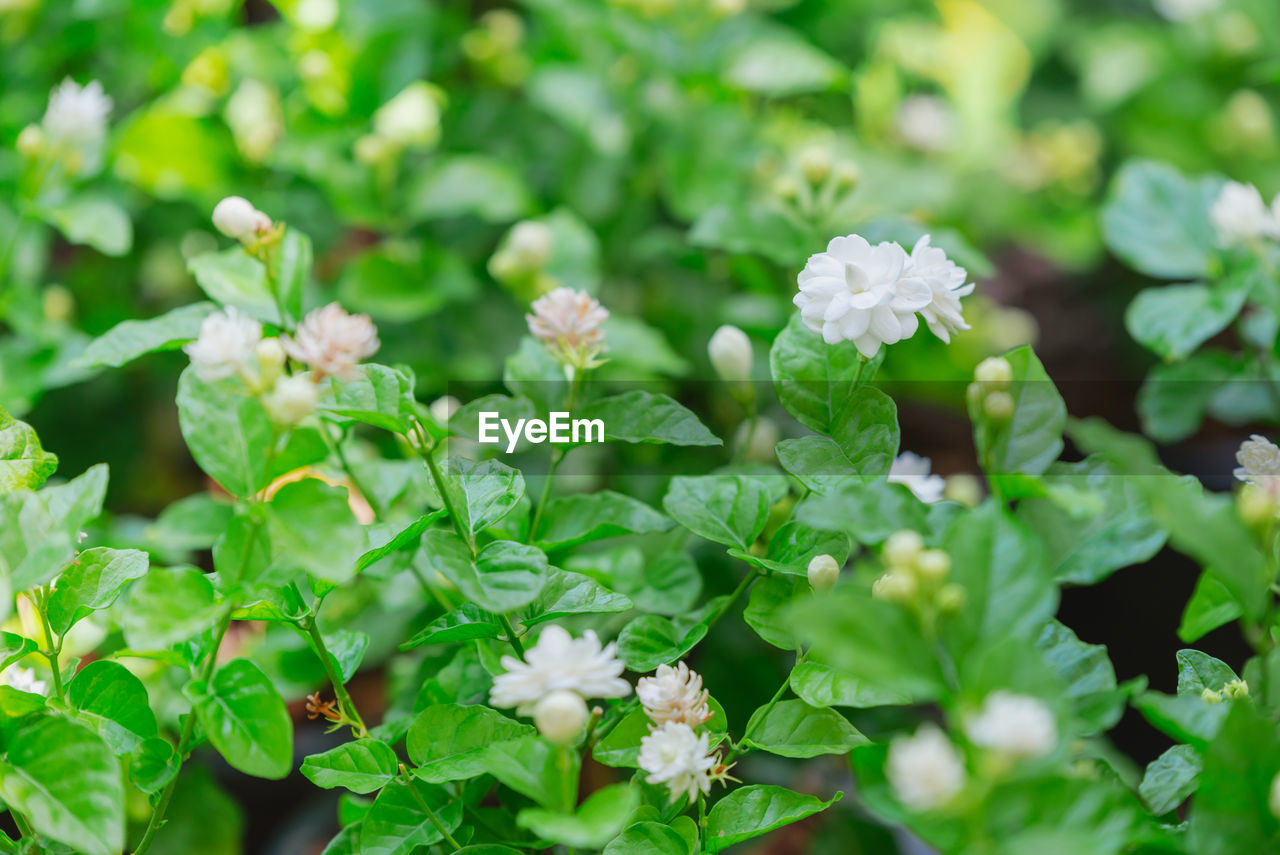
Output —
<point x="916" y="473"/>
<point x="556" y="677"/>
<point x="571" y="324"/>
<point x="915" y="576"/>
<point x="674" y="752"/>
<point x="925" y="770"/>
<point x="225" y="345"/>
<point x="871" y="295"/>
<point x="1240" y="216"/>
<point x="77" y="115"/>
<point x="1014" y="725"/>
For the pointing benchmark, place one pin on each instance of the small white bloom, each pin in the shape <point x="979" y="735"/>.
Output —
<point x="674" y="755"/>
<point x="225" y="345"/>
<point x="291" y="400"/>
<point x="824" y="572"/>
<point x="926" y="122"/>
<point x="236" y="218"/>
<point x="946" y="283"/>
<point x="1259" y="460"/>
<point x="902" y="548"/>
<point x="569" y="321"/>
<point x="333" y="342"/>
<point x="530" y="244"/>
<point x="77" y="114"/>
<point x="730" y="353"/>
<point x="1184" y="10"/>
<point x="994" y="372"/>
<point x="559" y="661"/>
<point x="1013" y="724"/>
<point x="443" y="408"/>
<point x="411" y="118"/>
<point x="855" y="292"/>
<point x="24" y="680"/>
<point x="674" y="694"/>
<point x="1239" y="215"/>
<point x="916" y="473"/>
<point x="561" y="715"/>
<point x="925" y="770"/>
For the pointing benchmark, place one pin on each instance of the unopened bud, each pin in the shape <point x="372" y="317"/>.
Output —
<point x="786" y="188"/>
<point x="963" y="488"/>
<point x="271" y="359"/>
<point x="902" y="548"/>
<point x="847" y="175"/>
<point x="933" y="565"/>
<point x="758" y="440"/>
<point x="730" y="353"/>
<point x="31" y="142"/>
<point x="1235" y="689"/>
<point x="373" y="149"/>
<point x="895" y="587"/>
<point x="560" y="716"/>
<point x="998" y="406"/>
<point x="995" y="372"/>
<point x="950" y="598"/>
<point x="236" y="218"/>
<point x="824" y="571"/>
<point x="58" y="303"/>
<point x="815" y="164"/>
<point x="291" y="400"/>
<point x="1211" y="697"/>
<point x="530" y="244"/>
<point x="1256" y="505"/>
<point x="411" y="118"/>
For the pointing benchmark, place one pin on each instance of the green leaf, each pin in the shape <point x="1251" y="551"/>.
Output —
<point x="93" y="221"/>
<point x="192" y="522"/>
<point x="128" y="340"/>
<point x="796" y="729"/>
<point x="567" y="593"/>
<point x="232" y="277"/>
<point x="1175" y="397"/>
<point x="813" y="379"/>
<point x="361" y="766"/>
<point x="584" y="517"/>
<point x="474" y="184"/>
<point x="1029" y="441"/>
<point x="93" y="581"/>
<point x="766" y="609"/>
<point x="727" y="509"/>
<point x="597" y="821"/>
<point x="649" y="838"/>
<point x="621" y="746"/>
<point x="293" y="270"/>
<point x="66" y="782"/>
<point x="1186" y="718"/>
<point x="153" y="764"/>
<point x="1157" y="220"/>
<point x="639" y="416"/>
<point x="465" y="623"/>
<point x="868" y="510"/>
<point x="777" y="62"/>
<point x="448" y="742"/>
<point x="820" y="685"/>
<point x="533" y="767"/>
<point x="166" y="606"/>
<point x="793" y="546"/>
<point x="482" y="493"/>
<point x="297" y="514"/>
<point x="757" y="809"/>
<point x="1230" y="813"/>
<point x="229" y="433"/>
<point x="651" y="640"/>
<point x="382" y="397"/>
<point x="202" y="818"/>
<point x="114" y="701"/>
<point x="1199" y="671"/>
<point x="14" y="647"/>
<point x="502" y="578"/>
<point x="1173" y="320"/>
<point x="245" y="718"/>
<point x="1171" y="778"/>
<point x="397" y="824"/>
<point x="1087" y="673"/>
<point x="668" y="584"/>
<point x="864" y="442"/>
<point x="24" y="464"/>
<point x="1211" y="605"/>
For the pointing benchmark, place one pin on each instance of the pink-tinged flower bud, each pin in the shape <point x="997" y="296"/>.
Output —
<point x="236" y="218"/>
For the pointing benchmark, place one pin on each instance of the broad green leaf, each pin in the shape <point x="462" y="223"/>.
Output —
<point x="465" y="623"/>
<point x="447" y="742"/>
<point x="408" y="539"/>
<point x="93" y="581"/>
<point x="1031" y="439"/>
<point x="1199" y="671"/>
<point x="14" y="647"/>
<point x="1230" y="813"/>
<point x="245" y="718"/>
<point x="796" y="729"/>
<point x="93" y="221"/>
<point x="232" y="277"/>
<point x="293" y="270"/>
<point x="813" y="379"/>
<point x="727" y="509"/>
<point x="193" y="522"/>
<point x="534" y="767"/>
<point x="1211" y="605"/>
<point x="1087" y="673"/>
<point x="1171" y="778"/>
<point x="128" y="340"/>
<point x="153" y="764"/>
<point x="482" y="493"/>
<point x="597" y="821"/>
<point x="821" y="685"/>
<point x="228" y="432"/>
<point x="381" y="396"/>
<point x="114" y="701"/>
<point x="1186" y="718"/>
<point x="502" y="578"/>
<point x="166" y="606"/>
<point x="1173" y="320"/>
<point x="868" y="510"/>
<point x="766" y="609"/>
<point x="757" y="809"/>
<point x="567" y="593"/>
<point x="648" y="838"/>
<point x="651" y="640"/>
<point x="362" y="766"/>
<point x="639" y="416"/>
<point x="863" y="441"/>
<point x="793" y="546"/>
<point x="583" y="517"/>
<point x="777" y="62"/>
<point x="24" y="464"/>
<point x="44" y="528"/>
<point x="1157" y="220"/>
<point x="1175" y="397"/>
<point x="66" y="782"/>
<point x="297" y="515"/>
<point x="668" y="584"/>
<point x="397" y="824"/>
<point x="474" y="184"/>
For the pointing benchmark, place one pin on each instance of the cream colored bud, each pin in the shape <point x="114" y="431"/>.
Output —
<point x="815" y="163"/>
<point x="998" y="406"/>
<point x="560" y="716"/>
<point x="1235" y="689"/>
<point x="902" y="548"/>
<point x="1211" y="697"/>
<point x="58" y="303"/>
<point x="933" y="565"/>
<point x="32" y="141"/>
<point x="530" y="243"/>
<point x="895" y="587"/>
<point x="1256" y="505"/>
<point x="786" y="188"/>
<point x="291" y="400"/>
<point x="730" y="353"/>
<point x="271" y="359"/>
<point x="950" y="598"/>
<point x="824" y="572"/>
<point x="995" y="372"/>
<point x="963" y="488"/>
<point x="236" y="218"/>
<point x="758" y="440"/>
<point x="411" y="118"/>
<point x="847" y="175"/>
<point x="372" y="149"/>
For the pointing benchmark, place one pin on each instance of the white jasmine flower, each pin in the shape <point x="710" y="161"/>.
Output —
<point x="730" y="352"/>
<point x="1013" y="724"/>
<point x="926" y="122"/>
<point x="225" y="345"/>
<point x="291" y="400"/>
<point x="946" y="283"/>
<point x="1239" y="215"/>
<point x="916" y="473"/>
<point x="333" y="342"/>
<point x="1259" y="460"/>
<point x="823" y="572"/>
<point x="559" y="661"/>
<point x="411" y="118"/>
<point x="570" y="322"/>
<point x="855" y="292"/>
<point x="1184" y="10"/>
<point x="77" y="114"/>
<point x="674" y="694"/>
<point x="24" y="680"/>
<point x="925" y="770"/>
<point x="674" y="755"/>
<point x="561" y="715"/>
<point x="236" y="218"/>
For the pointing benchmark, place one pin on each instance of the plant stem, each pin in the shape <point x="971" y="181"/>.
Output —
<point x="510" y="632"/>
<point x="348" y="706"/>
<point x="53" y="651"/>
<point x="768" y="708"/>
<point x="426" y="808"/>
<point x="25" y="829"/>
<point x="733" y="597"/>
<point x="556" y="456"/>
<point x="437" y="477"/>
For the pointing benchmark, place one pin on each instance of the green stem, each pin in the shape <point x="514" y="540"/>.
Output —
<point x="556" y="456"/>
<point x="24" y="829"/>
<point x="510" y="632"/>
<point x="426" y="808"/>
<point x="367" y="494"/>
<point x="53" y="651"/>
<point x="757" y="720"/>
<point x="437" y="477"/>
<point x="733" y="597"/>
<point x="348" y="707"/>
<point x="570" y="783"/>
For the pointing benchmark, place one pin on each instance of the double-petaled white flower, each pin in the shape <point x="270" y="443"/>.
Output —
<point x="1013" y="724"/>
<point x="332" y="342"/>
<point x="560" y="661"/>
<point x="925" y="770"/>
<point x="1239" y="215"/>
<point x="77" y="114"/>
<point x="673" y="754"/>
<point x="24" y="680"/>
<point x="946" y="283"/>
<point x="674" y="694"/>
<point x="916" y="473"/>
<point x="1259" y="460"/>
<point x="571" y="323"/>
<point x="225" y="345"/>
